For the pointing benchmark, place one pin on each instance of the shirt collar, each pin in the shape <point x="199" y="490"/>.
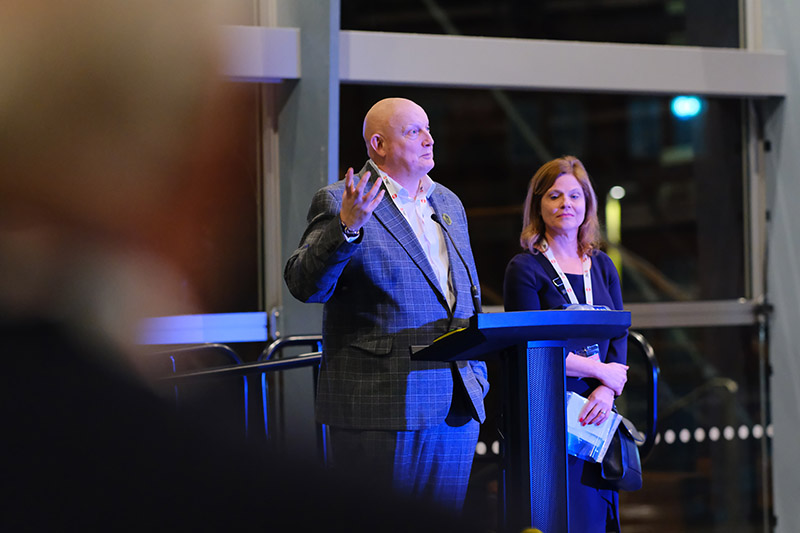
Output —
<point x="398" y="191"/>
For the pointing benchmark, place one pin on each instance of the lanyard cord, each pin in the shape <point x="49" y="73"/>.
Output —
<point x="587" y="277"/>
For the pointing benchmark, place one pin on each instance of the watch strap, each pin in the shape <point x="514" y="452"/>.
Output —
<point x="350" y="233"/>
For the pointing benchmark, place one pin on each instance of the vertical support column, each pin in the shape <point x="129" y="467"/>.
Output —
<point x="308" y="125"/>
<point x="301" y="155"/>
<point x="782" y="129"/>
<point x="535" y="469"/>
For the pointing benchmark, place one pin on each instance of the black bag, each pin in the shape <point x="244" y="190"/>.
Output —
<point x="621" y="467"/>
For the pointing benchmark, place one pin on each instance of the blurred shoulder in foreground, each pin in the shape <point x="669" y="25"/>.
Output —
<point x="115" y="126"/>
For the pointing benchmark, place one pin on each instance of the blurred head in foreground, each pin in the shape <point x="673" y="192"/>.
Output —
<point x="116" y="131"/>
<point x="114" y="124"/>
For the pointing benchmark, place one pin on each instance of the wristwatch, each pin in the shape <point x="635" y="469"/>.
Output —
<point x="349" y="233"/>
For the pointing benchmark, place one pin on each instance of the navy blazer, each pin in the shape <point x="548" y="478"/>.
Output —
<point x="381" y="296"/>
<point x="527" y="286"/>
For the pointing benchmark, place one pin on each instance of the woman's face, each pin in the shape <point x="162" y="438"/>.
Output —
<point x="564" y="206"/>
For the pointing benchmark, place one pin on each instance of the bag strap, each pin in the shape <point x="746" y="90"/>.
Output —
<point x="626" y="425"/>
<point x="552" y="274"/>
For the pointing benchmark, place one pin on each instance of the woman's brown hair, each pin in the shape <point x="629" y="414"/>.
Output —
<point x="533" y="227"/>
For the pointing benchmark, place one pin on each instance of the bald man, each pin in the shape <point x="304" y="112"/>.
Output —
<point x="389" y="279"/>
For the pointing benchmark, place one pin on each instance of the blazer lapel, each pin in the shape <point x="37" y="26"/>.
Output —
<point x="395" y="223"/>
<point x="461" y="285"/>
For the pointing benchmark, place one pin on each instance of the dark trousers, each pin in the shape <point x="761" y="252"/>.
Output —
<point x="430" y="464"/>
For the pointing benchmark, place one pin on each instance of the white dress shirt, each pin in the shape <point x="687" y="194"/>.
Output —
<point x="417" y="211"/>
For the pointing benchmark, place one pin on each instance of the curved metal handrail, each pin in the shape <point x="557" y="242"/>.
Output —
<point x="652" y="386"/>
<point x="298" y="361"/>
<point x="227" y="350"/>
<point x="215" y="348"/>
<point x="313" y="341"/>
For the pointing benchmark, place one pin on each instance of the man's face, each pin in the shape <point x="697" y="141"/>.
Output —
<point x="407" y="142"/>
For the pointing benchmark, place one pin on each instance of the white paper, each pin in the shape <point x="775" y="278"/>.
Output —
<point x="589" y="442"/>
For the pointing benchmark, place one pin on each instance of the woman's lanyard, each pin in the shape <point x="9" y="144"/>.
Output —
<point x="587" y="277"/>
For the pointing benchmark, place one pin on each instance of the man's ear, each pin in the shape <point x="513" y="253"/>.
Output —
<point x="376" y="143"/>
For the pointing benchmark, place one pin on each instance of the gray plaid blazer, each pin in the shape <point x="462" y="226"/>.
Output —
<point x="381" y="296"/>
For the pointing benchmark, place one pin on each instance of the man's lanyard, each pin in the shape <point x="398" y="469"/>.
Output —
<point x="587" y="277"/>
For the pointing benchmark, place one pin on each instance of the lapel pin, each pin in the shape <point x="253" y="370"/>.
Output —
<point x="447" y="219"/>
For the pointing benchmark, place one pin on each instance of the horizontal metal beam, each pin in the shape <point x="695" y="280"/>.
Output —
<point x="443" y="60"/>
<point x="694" y="314"/>
<point x="259" y="54"/>
<point x="251" y="327"/>
<point x="686" y="314"/>
<point x="262" y="54"/>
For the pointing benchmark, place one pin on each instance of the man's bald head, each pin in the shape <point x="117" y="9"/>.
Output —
<point x="397" y="134"/>
<point x="377" y="118"/>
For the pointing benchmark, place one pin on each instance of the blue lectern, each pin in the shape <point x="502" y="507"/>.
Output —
<point x="530" y="345"/>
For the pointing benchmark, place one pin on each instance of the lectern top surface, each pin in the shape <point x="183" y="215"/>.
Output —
<point x="489" y="333"/>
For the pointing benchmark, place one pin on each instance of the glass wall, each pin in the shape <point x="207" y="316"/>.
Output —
<point x="712" y="23"/>
<point x="682" y="223"/>
<point x="706" y="472"/>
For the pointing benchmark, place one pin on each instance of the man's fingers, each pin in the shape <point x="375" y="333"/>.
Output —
<point x="348" y="179"/>
<point x="375" y="201"/>
<point x="362" y="183"/>
<point x="376" y="187"/>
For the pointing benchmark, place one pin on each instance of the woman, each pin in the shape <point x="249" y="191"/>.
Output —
<point x="560" y="236"/>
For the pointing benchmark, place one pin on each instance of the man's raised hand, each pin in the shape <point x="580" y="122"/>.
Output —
<point x="358" y="206"/>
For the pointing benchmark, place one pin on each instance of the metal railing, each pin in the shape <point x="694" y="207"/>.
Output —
<point x="652" y="374"/>
<point x="182" y="355"/>
<point x="267" y="362"/>
<point x="313" y="341"/>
